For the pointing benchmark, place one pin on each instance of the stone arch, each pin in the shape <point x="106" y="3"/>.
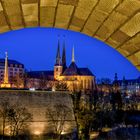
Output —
<point x="115" y="22"/>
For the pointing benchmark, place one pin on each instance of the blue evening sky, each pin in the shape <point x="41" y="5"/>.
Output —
<point x="36" y="49"/>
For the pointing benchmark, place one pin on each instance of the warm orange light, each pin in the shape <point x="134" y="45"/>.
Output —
<point x="37" y="128"/>
<point x="94" y="135"/>
<point x="106" y="129"/>
<point x="5" y="85"/>
<point x="37" y="132"/>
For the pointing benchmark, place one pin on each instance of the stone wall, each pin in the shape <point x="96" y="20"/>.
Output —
<point x="36" y="103"/>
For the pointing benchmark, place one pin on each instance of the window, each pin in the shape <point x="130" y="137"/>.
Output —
<point x="20" y="70"/>
<point x="89" y="84"/>
<point x="82" y="84"/>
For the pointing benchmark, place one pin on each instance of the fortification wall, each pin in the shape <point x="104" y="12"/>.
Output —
<point x="36" y="103"/>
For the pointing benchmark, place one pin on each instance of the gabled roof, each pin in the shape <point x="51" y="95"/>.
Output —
<point x="85" y="71"/>
<point x="71" y="70"/>
<point x="74" y="70"/>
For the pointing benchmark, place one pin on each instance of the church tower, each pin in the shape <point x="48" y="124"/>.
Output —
<point x="58" y="68"/>
<point x="64" y="58"/>
<point x="6" y="83"/>
<point x="115" y="82"/>
<point x="73" y="57"/>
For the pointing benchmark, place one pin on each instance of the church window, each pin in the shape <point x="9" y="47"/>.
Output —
<point x="85" y="84"/>
<point x="88" y="84"/>
<point x="81" y="84"/>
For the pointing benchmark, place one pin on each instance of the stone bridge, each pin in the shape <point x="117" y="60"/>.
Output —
<point x="115" y="22"/>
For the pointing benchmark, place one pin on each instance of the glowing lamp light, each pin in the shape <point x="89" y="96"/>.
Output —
<point x="106" y="129"/>
<point x="37" y="128"/>
<point x="94" y="135"/>
<point x="37" y="132"/>
<point x="53" y="89"/>
<point x="63" y="133"/>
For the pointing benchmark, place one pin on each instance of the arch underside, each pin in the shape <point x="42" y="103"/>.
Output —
<point x="115" y="22"/>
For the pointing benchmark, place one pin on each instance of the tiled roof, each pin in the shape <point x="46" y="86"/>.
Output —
<point x="74" y="70"/>
<point x="71" y="70"/>
<point x="85" y="71"/>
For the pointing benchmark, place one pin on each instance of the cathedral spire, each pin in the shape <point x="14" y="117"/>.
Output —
<point x="116" y="77"/>
<point x="73" y="59"/>
<point x="64" y="57"/>
<point x="58" y="58"/>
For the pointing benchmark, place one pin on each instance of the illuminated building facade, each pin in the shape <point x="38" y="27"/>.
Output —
<point x="77" y="79"/>
<point x="11" y="73"/>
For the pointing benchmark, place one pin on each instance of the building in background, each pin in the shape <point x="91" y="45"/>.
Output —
<point x="11" y="73"/>
<point x="130" y="86"/>
<point x="43" y="80"/>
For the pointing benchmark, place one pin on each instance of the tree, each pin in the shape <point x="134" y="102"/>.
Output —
<point x="4" y="110"/>
<point x="58" y="115"/>
<point x="95" y="99"/>
<point x="14" y="116"/>
<point x="43" y="82"/>
<point x="18" y="118"/>
<point x="17" y="81"/>
<point x="61" y="86"/>
<point x="85" y="119"/>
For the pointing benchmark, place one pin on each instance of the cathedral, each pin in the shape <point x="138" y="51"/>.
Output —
<point x="76" y="79"/>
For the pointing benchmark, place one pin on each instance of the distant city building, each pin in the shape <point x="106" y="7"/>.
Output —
<point x="40" y="80"/>
<point x="74" y="77"/>
<point x="130" y="85"/>
<point x="11" y="72"/>
<point x="127" y="85"/>
<point x="104" y="85"/>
